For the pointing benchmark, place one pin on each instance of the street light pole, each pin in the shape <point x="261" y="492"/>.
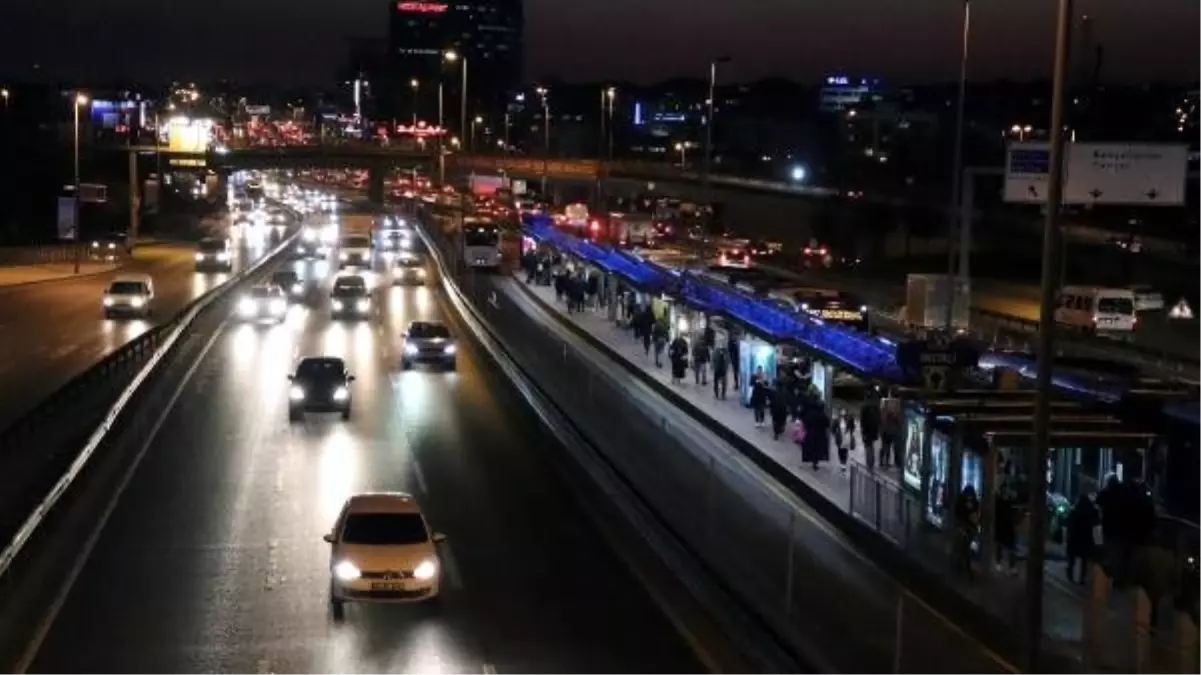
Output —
<point x="463" y="100"/>
<point x="953" y="280"/>
<point x="441" y="137"/>
<point x="415" y="85"/>
<point x="77" y="102"/>
<point x="544" y="93"/>
<point x="1037" y="544"/>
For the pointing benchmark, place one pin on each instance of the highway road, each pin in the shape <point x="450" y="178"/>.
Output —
<point x="212" y="560"/>
<point x="53" y="331"/>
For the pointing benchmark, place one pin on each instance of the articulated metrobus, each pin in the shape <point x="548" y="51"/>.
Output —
<point x="481" y="245"/>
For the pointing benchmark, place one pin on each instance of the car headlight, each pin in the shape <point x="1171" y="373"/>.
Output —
<point x="297" y="288"/>
<point x="199" y="257"/>
<point x="343" y="256"/>
<point x="95" y="244"/>
<point x="247" y="306"/>
<point x="309" y="235"/>
<point x="222" y="256"/>
<point x="420" y="272"/>
<point x="449" y="349"/>
<point x="108" y="302"/>
<point x="279" y="306"/>
<point x="341" y="394"/>
<point x="863" y="309"/>
<point x="426" y="570"/>
<point x="410" y="349"/>
<point x="363" y="305"/>
<point x="338" y="305"/>
<point x="346" y="571"/>
<point x="137" y="302"/>
<point x="406" y="243"/>
<point x="296" y="393"/>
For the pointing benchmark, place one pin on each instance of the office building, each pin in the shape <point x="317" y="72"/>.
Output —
<point x="487" y="32"/>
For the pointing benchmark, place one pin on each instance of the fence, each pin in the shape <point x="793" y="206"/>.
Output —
<point x="817" y="593"/>
<point x="54" y="253"/>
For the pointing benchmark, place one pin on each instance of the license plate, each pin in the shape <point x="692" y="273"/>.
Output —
<point x="387" y="586"/>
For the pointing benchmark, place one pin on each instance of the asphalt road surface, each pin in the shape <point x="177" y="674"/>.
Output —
<point x="213" y="560"/>
<point x="55" y="330"/>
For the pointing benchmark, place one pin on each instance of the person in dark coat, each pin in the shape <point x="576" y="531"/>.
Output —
<point x="779" y="412"/>
<point x="735" y="363"/>
<point x="844" y="438"/>
<point x="659" y="340"/>
<point x="721" y="363"/>
<point x="700" y="362"/>
<point x="869" y="427"/>
<point x="816" y="446"/>
<point x="677" y="353"/>
<point x="1082" y="520"/>
<point x="759" y="396"/>
<point x="967" y="525"/>
<point x="1005" y="528"/>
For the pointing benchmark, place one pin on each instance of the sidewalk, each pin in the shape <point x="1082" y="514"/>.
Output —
<point x="999" y="594"/>
<point x="18" y="275"/>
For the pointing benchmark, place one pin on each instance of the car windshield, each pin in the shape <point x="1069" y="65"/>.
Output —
<point x="356" y="242"/>
<point x="127" y="288"/>
<point x="428" y="331"/>
<point x="383" y="529"/>
<point x="321" y="369"/>
<point x="411" y="261"/>
<point x="1115" y="306"/>
<point x="350" y="286"/>
<point x="212" y="245"/>
<point x="285" y="278"/>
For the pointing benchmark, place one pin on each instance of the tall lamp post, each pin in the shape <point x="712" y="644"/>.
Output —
<point x="711" y="107"/>
<point x="441" y="136"/>
<point x="545" y="94"/>
<point x="475" y="122"/>
<point x="1046" y="347"/>
<point x="452" y="57"/>
<point x="953" y="280"/>
<point x="415" y="86"/>
<point x="79" y="101"/>
<point x="611" y="97"/>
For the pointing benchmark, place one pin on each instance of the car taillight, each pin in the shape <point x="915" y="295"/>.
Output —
<point x="594" y="225"/>
<point x="824" y="251"/>
<point x="808" y="250"/>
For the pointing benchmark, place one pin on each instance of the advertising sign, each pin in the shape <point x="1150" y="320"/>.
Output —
<point x="189" y="135"/>
<point x="421" y="7"/>
<point x="67" y="227"/>
<point x="1100" y="173"/>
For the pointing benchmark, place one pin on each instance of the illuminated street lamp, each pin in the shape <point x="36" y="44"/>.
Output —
<point x="545" y="94"/>
<point x="452" y="56"/>
<point x="80" y="100"/>
<point x="4" y="95"/>
<point x="415" y="85"/>
<point x="477" y="120"/>
<point x="682" y="148"/>
<point x="1020" y="131"/>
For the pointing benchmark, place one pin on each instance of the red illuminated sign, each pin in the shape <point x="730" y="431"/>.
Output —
<point x="421" y="7"/>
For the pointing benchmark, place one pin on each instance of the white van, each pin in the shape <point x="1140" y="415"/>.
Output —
<point x="1097" y="310"/>
<point x="129" y="295"/>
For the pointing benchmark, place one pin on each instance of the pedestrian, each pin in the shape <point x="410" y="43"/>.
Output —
<point x="759" y="396"/>
<point x="891" y="424"/>
<point x="721" y="363"/>
<point x="779" y="412"/>
<point x="844" y="437"/>
<point x="816" y="447"/>
<point x="869" y="427"/>
<point x="1083" y="521"/>
<point x="700" y="362"/>
<point x="967" y="524"/>
<point x="677" y="353"/>
<point x="735" y="363"/>
<point x="1005" y="529"/>
<point x="659" y="338"/>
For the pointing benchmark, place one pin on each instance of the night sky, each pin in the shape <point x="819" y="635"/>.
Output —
<point x="301" y="41"/>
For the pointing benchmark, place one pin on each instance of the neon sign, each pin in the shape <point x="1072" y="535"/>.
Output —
<point x="421" y="7"/>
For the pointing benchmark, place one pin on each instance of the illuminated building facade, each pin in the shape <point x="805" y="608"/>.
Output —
<point x="487" y="32"/>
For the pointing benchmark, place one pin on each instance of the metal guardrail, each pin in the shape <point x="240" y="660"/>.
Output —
<point x="50" y="254"/>
<point x="38" y="447"/>
<point x="749" y="537"/>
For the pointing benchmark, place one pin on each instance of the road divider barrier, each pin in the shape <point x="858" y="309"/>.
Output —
<point x="46" y="450"/>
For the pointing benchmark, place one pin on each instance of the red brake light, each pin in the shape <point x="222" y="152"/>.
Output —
<point x="824" y="251"/>
<point x="808" y="250"/>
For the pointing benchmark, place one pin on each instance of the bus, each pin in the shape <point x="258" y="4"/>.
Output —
<point x="482" y="245"/>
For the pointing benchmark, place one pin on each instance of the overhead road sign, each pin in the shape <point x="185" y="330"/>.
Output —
<point x="1147" y="174"/>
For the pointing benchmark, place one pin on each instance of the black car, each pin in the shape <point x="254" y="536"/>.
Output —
<point x="320" y="384"/>
<point x="350" y="298"/>
<point x="408" y="268"/>
<point x="290" y="282"/>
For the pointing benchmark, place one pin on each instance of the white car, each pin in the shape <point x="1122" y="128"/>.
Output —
<point x="382" y="550"/>
<point x="129" y="294"/>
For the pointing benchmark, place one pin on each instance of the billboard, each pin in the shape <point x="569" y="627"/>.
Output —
<point x="67" y="214"/>
<point x="185" y="134"/>
<point x="1144" y="174"/>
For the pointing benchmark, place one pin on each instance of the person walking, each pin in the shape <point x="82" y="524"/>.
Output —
<point x="677" y="353"/>
<point x="659" y="338"/>
<point x="721" y="363"/>
<point x="815" y="449"/>
<point x="844" y="437"/>
<point x="779" y="412"/>
<point x="700" y="362"/>
<point x="869" y="427"/>
<point x="759" y="396"/>
<point x="1083" y="521"/>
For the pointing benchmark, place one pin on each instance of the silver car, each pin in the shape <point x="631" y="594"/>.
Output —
<point x="429" y="342"/>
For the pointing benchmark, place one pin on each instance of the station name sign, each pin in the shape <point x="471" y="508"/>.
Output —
<point x="837" y="314"/>
<point x="421" y="7"/>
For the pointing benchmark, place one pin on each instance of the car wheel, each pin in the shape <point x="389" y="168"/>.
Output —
<point x="108" y="314"/>
<point x="295" y="415"/>
<point x="337" y="606"/>
<point x="452" y="364"/>
<point x="405" y="365"/>
<point x="346" y="414"/>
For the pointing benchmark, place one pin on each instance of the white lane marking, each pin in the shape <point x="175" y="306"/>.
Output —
<point x="418" y="474"/>
<point x="489" y="669"/>
<point x="450" y="567"/>
<point x="85" y="553"/>
<point x="271" y="579"/>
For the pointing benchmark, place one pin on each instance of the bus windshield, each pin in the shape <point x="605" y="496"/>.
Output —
<point x="481" y="237"/>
